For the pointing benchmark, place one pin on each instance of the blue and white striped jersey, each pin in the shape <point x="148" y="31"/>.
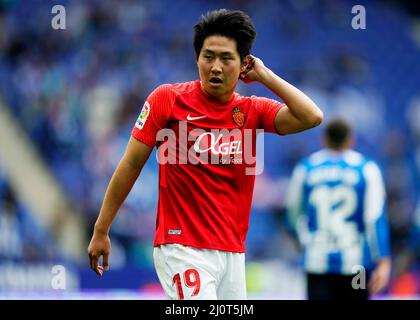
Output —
<point x="336" y="202"/>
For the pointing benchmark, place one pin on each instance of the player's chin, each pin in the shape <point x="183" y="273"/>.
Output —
<point x="216" y="91"/>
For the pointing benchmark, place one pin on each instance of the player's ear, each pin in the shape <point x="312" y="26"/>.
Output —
<point x="245" y="66"/>
<point x="245" y="63"/>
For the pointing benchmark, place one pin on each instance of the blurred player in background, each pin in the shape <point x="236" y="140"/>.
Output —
<point x="203" y="208"/>
<point x="336" y="203"/>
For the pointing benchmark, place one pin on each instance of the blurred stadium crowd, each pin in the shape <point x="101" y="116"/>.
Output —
<point x="76" y="93"/>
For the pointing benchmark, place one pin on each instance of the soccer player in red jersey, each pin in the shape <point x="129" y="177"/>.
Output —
<point x="205" y="134"/>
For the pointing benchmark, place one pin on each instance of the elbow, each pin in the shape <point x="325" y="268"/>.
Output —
<point x="319" y="117"/>
<point x="316" y="118"/>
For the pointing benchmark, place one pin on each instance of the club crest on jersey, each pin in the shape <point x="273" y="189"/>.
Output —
<point x="141" y="120"/>
<point x="238" y="117"/>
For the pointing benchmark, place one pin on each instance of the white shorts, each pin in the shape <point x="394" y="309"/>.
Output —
<point x="191" y="273"/>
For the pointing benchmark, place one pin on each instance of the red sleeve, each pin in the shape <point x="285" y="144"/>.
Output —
<point x="266" y="111"/>
<point x="154" y="115"/>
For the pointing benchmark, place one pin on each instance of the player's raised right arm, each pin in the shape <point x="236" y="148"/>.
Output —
<point x="122" y="181"/>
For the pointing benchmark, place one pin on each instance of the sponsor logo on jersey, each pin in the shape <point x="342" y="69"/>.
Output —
<point x="238" y="117"/>
<point x="216" y="146"/>
<point x="144" y="114"/>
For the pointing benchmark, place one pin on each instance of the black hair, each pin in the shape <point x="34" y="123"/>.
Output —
<point x="235" y="24"/>
<point x="337" y="133"/>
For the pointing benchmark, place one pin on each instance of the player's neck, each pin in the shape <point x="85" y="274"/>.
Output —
<point x="338" y="150"/>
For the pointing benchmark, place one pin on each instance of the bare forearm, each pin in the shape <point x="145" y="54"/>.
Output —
<point x="298" y="103"/>
<point x="118" y="189"/>
<point x="385" y="262"/>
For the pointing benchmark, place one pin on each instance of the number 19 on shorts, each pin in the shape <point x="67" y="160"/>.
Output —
<point x="190" y="278"/>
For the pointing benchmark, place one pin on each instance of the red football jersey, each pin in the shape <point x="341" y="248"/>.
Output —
<point x="204" y="148"/>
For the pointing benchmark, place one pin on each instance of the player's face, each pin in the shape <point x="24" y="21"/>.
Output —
<point x="219" y="65"/>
